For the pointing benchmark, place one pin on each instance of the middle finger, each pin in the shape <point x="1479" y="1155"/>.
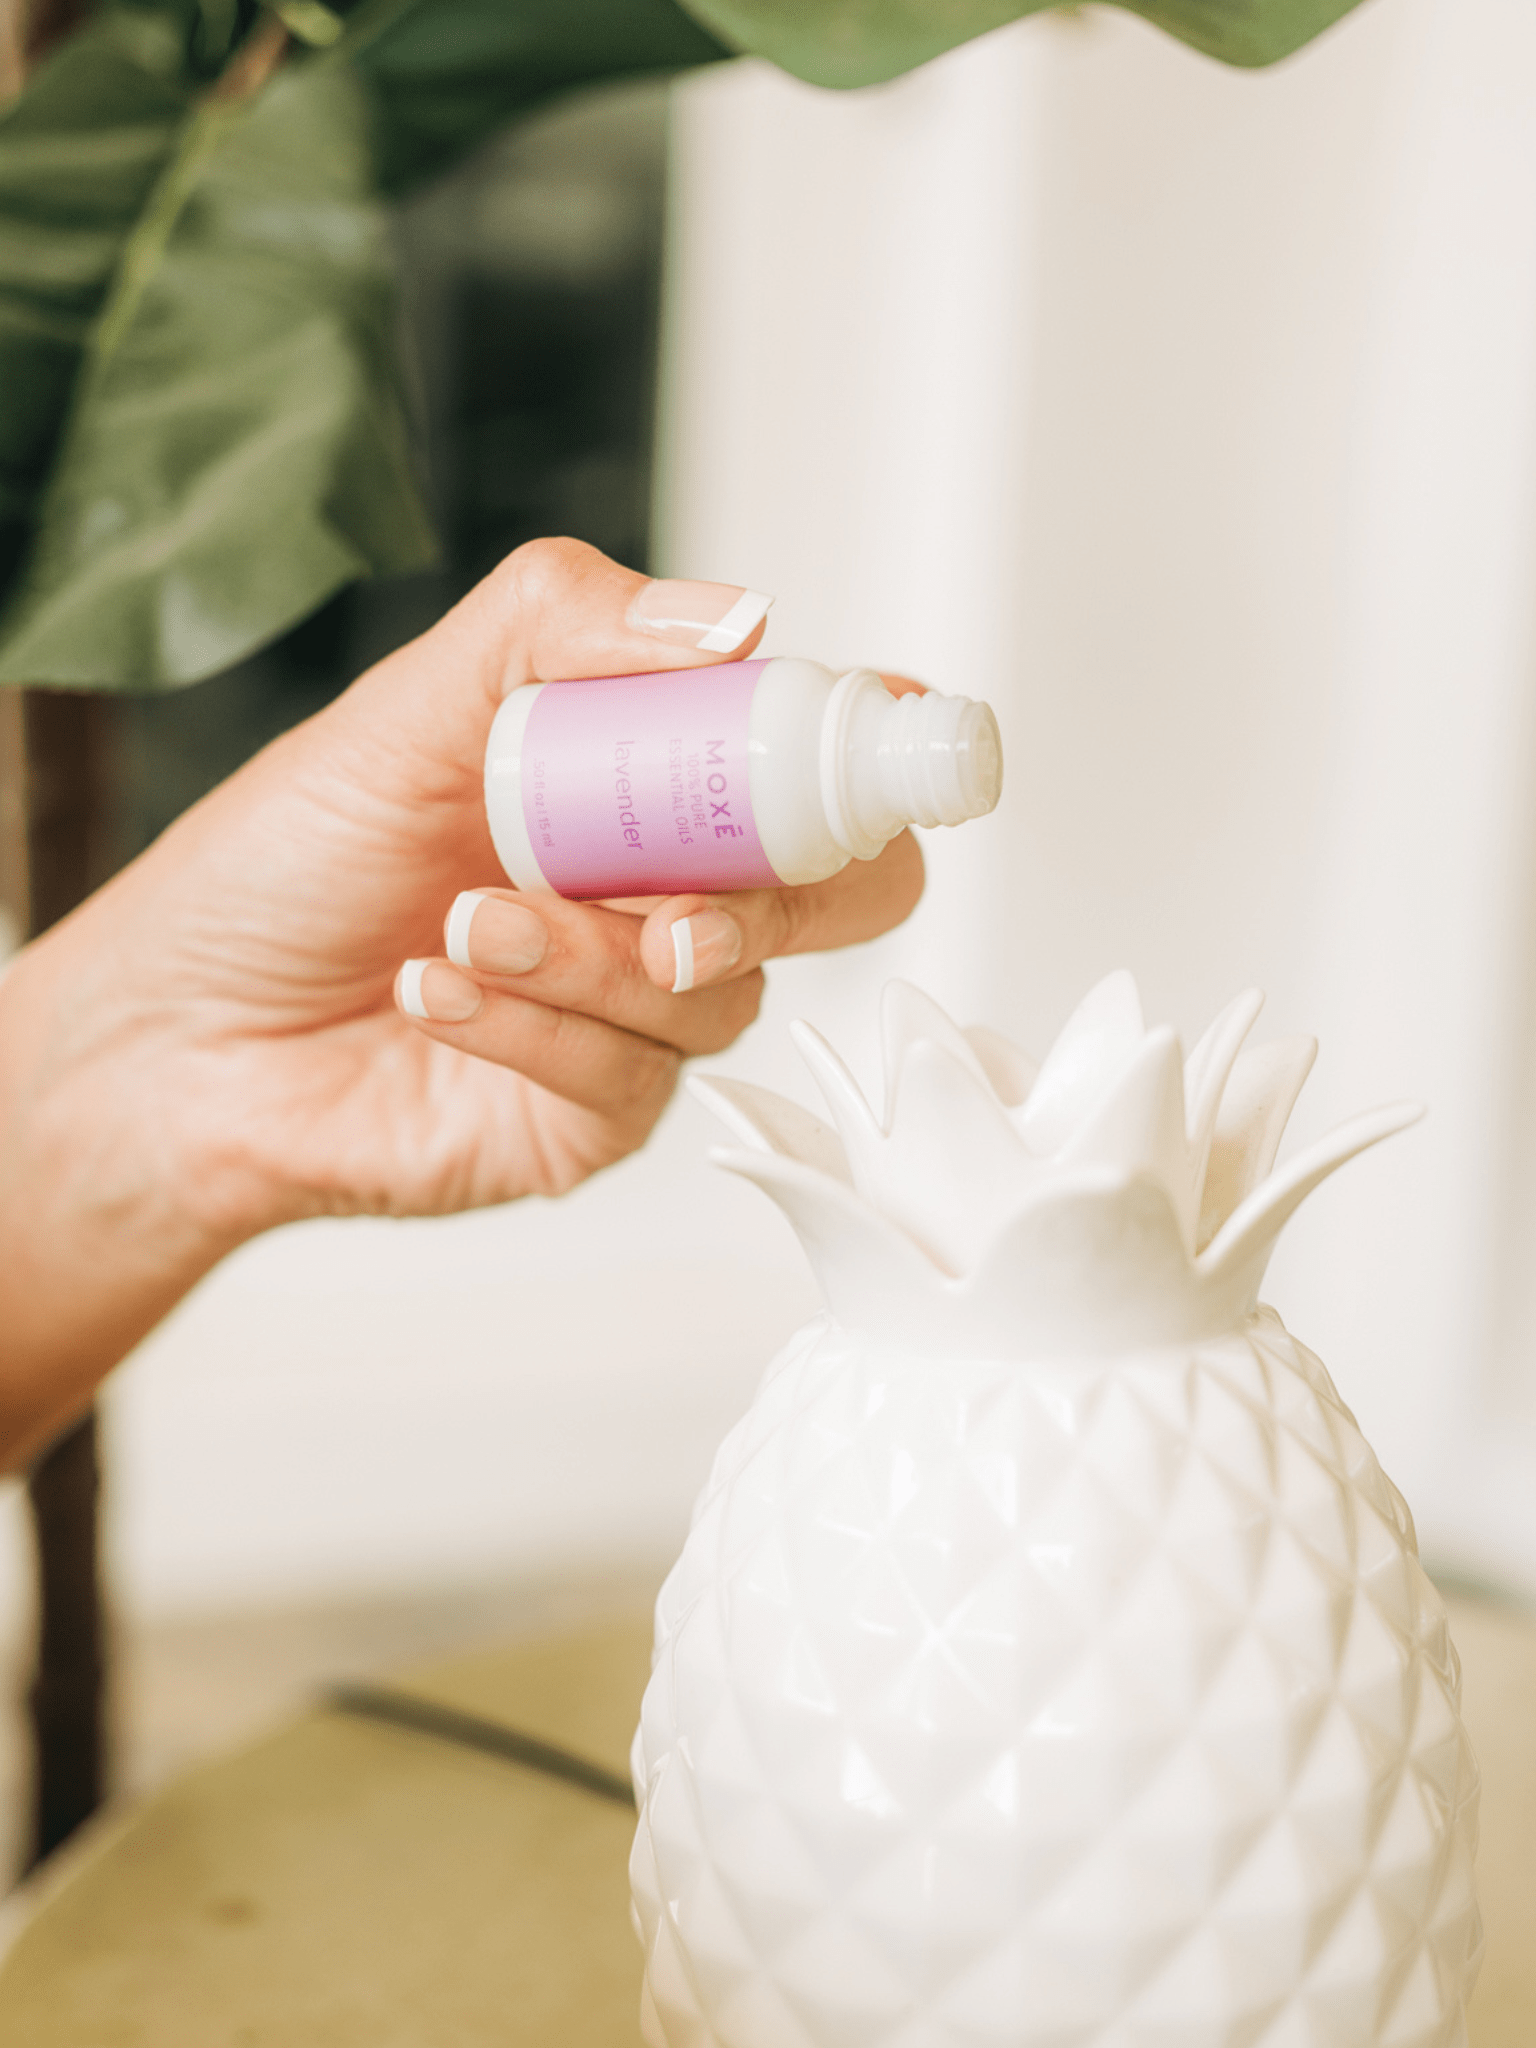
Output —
<point x="585" y="958"/>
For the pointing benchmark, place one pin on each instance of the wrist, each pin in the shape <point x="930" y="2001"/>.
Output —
<point x="105" y="1219"/>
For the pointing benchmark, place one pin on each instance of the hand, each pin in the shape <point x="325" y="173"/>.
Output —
<point x="212" y="1044"/>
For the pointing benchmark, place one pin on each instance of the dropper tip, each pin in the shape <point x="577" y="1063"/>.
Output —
<point x="979" y="759"/>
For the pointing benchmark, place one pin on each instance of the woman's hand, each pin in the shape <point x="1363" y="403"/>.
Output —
<point x="222" y="1039"/>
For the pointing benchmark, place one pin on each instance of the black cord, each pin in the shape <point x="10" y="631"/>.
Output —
<point x="450" y="1724"/>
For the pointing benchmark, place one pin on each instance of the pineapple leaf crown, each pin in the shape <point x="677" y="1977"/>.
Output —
<point x="1119" y="1195"/>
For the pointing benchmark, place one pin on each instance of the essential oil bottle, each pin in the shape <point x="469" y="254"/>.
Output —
<point x="742" y="776"/>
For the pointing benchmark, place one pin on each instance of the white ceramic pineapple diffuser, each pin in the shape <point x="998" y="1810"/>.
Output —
<point x="1049" y="1664"/>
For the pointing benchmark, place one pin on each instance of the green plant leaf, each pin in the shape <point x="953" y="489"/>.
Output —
<point x="863" y="42"/>
<point x="201" y="429"/>
<point x="237" y="449"/>
<point x="80" y="153"/>
<point x="203" y="286"/>
<point x="443" y="75"/>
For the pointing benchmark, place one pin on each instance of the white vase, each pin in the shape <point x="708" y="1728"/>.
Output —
<point x="1049" y="1663"/>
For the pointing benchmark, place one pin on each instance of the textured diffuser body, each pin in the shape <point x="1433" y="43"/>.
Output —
<point x="1023" y="1684"/>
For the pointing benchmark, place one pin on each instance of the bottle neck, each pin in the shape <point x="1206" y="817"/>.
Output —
<point x="889" y="762"/>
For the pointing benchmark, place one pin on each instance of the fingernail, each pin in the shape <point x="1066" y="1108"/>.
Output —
<point x="508" y="938"/>
<point x="437" y="993"/>
<point x="704" y="947"/>
<point x="712" y="618"/>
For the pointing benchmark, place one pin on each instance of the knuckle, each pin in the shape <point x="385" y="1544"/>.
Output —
<point x="542" y="573"/>
<point x="615" y="964"/>
<point x="614" y="1067"/>
<point x="746" y="1000"/>
<point x="597" y="960"/>
<point x="735" y="1005"/>
<point x="792" y="912"/>
<point x="651" y="1071"/>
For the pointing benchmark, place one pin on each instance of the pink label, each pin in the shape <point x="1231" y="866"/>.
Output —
<point x="637" y="785"/>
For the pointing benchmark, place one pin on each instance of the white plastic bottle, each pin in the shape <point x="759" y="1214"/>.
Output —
<point x="742" y="776"/>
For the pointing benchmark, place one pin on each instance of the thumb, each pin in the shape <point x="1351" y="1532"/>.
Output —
<point x="554" y="610"/>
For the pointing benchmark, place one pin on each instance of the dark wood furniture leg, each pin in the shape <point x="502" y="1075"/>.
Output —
<point x="64" y="801"/>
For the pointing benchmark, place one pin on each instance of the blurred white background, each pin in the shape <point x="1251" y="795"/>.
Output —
<point x="1189" y="416"/>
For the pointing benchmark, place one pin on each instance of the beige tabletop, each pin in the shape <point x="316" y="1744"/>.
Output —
<point x="351" y="1884"/>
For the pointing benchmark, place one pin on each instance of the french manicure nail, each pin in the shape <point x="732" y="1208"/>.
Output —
<point x="711" y="618"/>
<point x="508" y="938"/>
<point x="437" y="993"/>
<point x="704" y="947"/>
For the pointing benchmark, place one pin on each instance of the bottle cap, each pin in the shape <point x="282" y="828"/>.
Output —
<point x="944" y="756"/>
<point x="921" y="759"/>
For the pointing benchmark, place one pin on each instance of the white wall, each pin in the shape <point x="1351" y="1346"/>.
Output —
<point x="1187" y="415"/>
<point x="1191" y="414"/>
<point x="362" y="1406"/>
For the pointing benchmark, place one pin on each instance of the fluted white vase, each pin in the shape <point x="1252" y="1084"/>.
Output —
<point x="1049" y="1664"/>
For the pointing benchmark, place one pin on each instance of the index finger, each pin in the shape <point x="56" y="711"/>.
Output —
<point x="689" y="941"/>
